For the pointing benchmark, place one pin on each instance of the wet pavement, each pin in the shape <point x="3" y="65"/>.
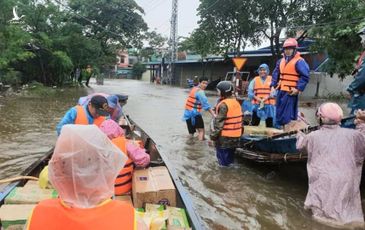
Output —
<point x="244" y="196"/>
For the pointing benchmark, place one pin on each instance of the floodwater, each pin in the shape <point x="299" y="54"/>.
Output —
<point x="244" y="196"/>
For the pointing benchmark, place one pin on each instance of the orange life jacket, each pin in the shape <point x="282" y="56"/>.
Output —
<point x="123" y="183"/>
<point x="81" y="117"/>
<point x="191" y="101"/>
<point x="289" y="76"/>
<point x="233" y="122"/>
<point x="262" y="90"/>
<point x="51" y="214"/>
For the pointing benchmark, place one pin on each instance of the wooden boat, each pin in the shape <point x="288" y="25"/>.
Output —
<point x="157" y="159"/>
<point x="277" y="149"/>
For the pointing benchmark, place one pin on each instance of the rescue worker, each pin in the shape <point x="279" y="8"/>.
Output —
<point x="89" y="72"/>
<point x="83" y="169"/>
<point x="334" y="165"/>
<point x="122" y="99"/>
<point x="194" y="104"/>
<point x="228" y="127"/>
<point x="357" y="86"/>
<point x="135" y="154"/>
<point x="263" y="102"/>
<point x="290" y="78"/>
<point x="115" y="107"/>
<point x="94" y="112"/>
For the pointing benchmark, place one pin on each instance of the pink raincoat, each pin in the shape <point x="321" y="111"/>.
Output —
<point x="335" y="159"/>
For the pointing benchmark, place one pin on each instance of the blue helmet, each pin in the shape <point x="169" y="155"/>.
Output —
<point x="265" y="66"/>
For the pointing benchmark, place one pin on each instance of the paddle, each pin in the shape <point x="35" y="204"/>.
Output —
<point x="311" y="128"/>
<point x="18" y="178"/>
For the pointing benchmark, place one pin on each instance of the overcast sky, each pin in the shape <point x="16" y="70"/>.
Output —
<point x="158" y="15"/>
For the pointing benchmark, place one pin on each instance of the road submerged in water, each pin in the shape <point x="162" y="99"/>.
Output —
<point x="244" y="196"/>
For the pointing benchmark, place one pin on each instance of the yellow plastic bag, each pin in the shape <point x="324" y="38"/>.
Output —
<point x="43" y="181"/>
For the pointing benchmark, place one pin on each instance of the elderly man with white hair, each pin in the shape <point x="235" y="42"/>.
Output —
<point x="335" y="159"/>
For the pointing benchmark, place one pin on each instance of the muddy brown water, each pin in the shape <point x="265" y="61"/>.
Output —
<point x="244" y="196"/>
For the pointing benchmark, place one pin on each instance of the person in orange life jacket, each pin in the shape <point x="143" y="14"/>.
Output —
<point x="136" y="155"/>
<point x="115" y="103"/>
<point x="89" y="72"/>
<point x="263" y="102"/>
<point x="83" y="168"/>
<point x="93" y="112"/>
<point x="227" y="129"/>
<point x="289" y="77"/>
<point x="194" y="104"/>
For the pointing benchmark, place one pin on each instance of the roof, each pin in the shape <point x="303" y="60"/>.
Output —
<point x="316" y="61"/>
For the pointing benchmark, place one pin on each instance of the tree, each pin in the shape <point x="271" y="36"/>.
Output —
<point x="13" y="40"/>
<point x="274" y="18"/>
<point x="138" y="69"/>
<point x="55" y="36"/>
<point x="156" y="43"/>
<point x="335" y="33"/>
<point x="230" y="25"/>
<point x="225" y="25"/>
<point x="111" y="21"/>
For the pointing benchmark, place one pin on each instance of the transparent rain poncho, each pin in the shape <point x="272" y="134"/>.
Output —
<point x="84" y="166"/>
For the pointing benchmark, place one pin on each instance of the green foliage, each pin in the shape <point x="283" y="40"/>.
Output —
<point x="53" y="37"/>
<point x="138" y="69"/>
<point x="225" y="26"/>
<point x="11" y="77"/>
<point x="36" y="88"/>
<point x="341" y="19"/>
<point x="61" y="64"/>
<point x="156" y="43"/>
<point x="230" y="25"/>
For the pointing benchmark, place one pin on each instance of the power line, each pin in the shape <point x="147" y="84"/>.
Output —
<point x="155" y="6"/>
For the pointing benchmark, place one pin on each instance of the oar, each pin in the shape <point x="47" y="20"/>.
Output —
<point x="18" y="178"/>
<point x="311" y="128"/>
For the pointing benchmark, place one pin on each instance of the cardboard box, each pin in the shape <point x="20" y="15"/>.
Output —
<point x="261" y="131"/>
<point x="153" y="185"/>
<point x="15" y="215"/>
<point x="126" y="198"/>
<point x="31" y="184"/>
<point x="30" y="194"/>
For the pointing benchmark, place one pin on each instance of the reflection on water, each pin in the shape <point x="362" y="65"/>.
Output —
<point x="27" y="127"/>
<point x="244" y="196"/>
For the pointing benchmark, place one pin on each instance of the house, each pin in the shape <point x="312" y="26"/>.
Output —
<point x="124" y="65"/>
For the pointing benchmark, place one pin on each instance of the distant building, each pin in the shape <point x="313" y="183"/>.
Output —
<point x="215" y="68"/>
<point x="124" y="65"/>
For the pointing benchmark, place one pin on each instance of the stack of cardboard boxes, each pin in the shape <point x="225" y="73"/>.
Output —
<point x="154" y="197"/>
<point x="20" y="202"/>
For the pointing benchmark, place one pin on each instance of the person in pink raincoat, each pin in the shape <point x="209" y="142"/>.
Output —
<point x="335" y="160"/>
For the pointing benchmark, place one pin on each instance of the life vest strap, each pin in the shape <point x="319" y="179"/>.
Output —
<point x="232" y="123"/>
<point x="227" y="118"/>
<point x="124" y="183"/>
<point x="124" y="174"/>
<point x="291" y="74"/>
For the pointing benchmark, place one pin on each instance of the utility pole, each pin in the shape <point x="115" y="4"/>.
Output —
<point x="173" y="42"/>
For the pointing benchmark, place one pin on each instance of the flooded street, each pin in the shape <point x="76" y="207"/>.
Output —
<point x="245" y="196"/>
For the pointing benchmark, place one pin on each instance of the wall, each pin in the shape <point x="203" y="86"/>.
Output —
<point x="327" y="85"/>
<point x="213" y="71"/>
